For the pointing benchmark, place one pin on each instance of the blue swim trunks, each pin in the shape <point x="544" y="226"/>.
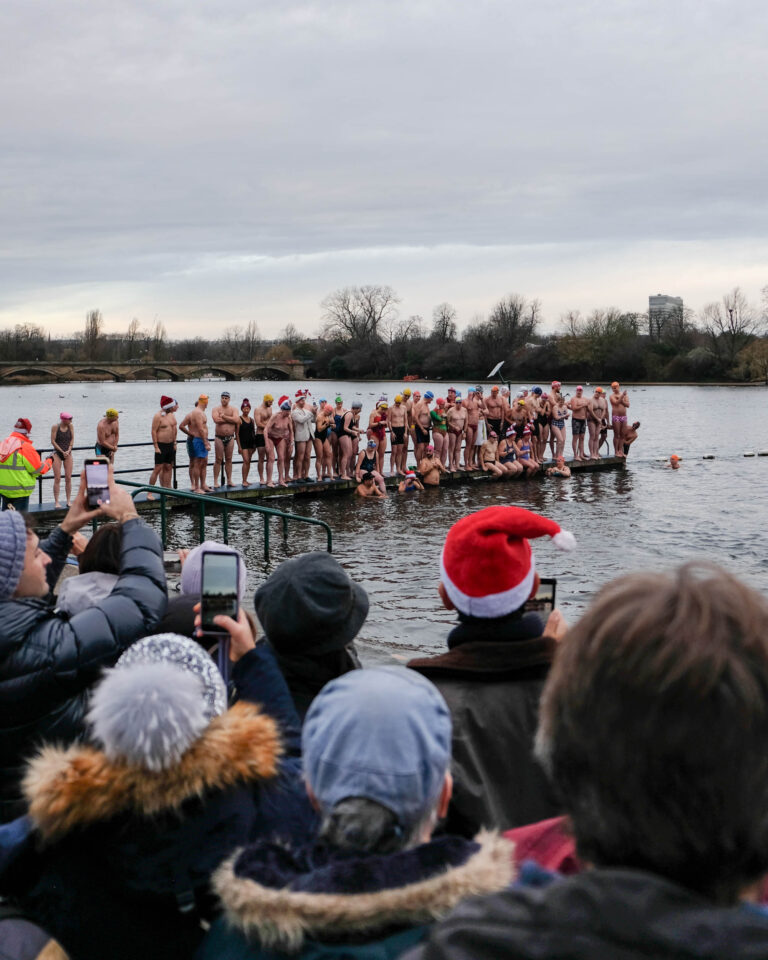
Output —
<point x="198" y="446"/>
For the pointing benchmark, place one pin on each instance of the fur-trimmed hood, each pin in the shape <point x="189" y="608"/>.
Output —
<point x="78" y="786"/>
<point x="281" y="895"/>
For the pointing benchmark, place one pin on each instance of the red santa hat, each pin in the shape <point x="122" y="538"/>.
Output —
<point x="487" y="567"/>
<point x="166" y="402"/>
<point x="282" y="399"/>
<point x="22" y="425"/>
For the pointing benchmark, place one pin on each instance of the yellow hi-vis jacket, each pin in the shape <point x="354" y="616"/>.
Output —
<point x="20" y="466"/>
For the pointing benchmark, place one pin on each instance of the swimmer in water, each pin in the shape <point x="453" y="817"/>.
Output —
<point x="674" y="462"/>
<point x="630" y="436"/>
<point x="367" y="487"/>
<point x="410" y="483"/>
<point x="561" y="469"/>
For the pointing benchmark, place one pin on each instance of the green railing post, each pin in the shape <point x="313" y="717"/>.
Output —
<point x="226" y="505"/>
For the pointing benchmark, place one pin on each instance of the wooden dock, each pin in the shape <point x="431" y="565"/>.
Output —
<point x="257" y="493"/>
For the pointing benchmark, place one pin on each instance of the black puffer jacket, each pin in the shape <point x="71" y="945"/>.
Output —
<point x="48" y="661"/>
<point x="598" y="915"/>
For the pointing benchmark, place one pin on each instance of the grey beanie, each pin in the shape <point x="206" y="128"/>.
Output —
<point x="157" y="702"/>
<point x="13" y="546"/>
<point x="187" y="654"/>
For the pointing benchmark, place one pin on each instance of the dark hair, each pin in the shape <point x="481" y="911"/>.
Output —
<point x="654" y="728"/>
<point x="102" y="555"/>
<point x="357" y="823"/>
<point x="367" y="476"/>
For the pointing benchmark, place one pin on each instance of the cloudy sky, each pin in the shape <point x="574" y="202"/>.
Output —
<point x="208" y="163"/>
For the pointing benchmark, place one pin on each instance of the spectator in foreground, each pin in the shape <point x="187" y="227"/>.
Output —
<point x="132" y="826"/>
<point x="180" y="615"/>
<point x="654" y="723"/>
<point x="48" y="661"/>
<point x="99" y="565"/>
<point x="311" y="613"/>
<point x="377" y="750"/>
<point x="494" y="671"/>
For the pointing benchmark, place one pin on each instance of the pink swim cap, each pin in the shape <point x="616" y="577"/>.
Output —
<point x="65" y="416"/>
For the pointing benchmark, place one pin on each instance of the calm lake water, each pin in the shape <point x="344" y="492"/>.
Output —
<point x="646" y="517"/>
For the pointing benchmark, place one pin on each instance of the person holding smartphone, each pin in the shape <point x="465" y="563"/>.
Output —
<point x="498" y="658"/>
<point x="49" y="660"/>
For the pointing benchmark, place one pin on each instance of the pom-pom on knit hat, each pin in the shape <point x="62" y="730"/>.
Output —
<point x="157" y="701"/>
<point x="13" y="545"/>
<point x="487" y="567"/>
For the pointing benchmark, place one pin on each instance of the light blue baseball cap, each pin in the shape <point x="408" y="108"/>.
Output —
<point x="382" y="733"/>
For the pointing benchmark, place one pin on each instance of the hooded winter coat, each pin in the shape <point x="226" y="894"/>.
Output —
<point x="49" y="661"/>
<point x="492" y="677"/>
<point x="314" y="903"/>
<point x="126" y="853"/>
<point x="606" y="914"/>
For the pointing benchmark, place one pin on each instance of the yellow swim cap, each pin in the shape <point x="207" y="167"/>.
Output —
<point x="112" y="414"/>
<point x="407" y="392"/>
<point x="398" y="398"/>
<point x="268" y="398"/>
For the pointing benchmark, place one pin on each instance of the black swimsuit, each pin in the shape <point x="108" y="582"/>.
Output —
<point x="247" y="434"/>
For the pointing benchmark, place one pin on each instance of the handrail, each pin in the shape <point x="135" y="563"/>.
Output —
<point x="204" y="501"/>
<point x="148" y="443"/>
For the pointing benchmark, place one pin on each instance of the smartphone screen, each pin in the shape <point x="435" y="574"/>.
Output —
<point x="97" y="482"/>
<point x="544" y="601"/>
<point x="218" y="590"/>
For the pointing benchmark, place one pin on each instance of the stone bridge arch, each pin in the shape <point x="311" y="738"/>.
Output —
<point x="29" y="371"/>
<point x="98" y="372"/>
<point x="143" y="372"/>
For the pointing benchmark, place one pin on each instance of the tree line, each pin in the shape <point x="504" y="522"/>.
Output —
<point x="362" y="334"/>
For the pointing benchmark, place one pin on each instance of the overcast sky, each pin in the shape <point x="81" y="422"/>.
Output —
<point x="214" y="162"/>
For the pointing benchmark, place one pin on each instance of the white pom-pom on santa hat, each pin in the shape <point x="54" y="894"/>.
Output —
<point x="487" y="566"/>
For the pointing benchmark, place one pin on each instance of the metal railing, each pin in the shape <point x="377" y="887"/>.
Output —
<point x="123" y="446"/>
<point x="206" y="501"/>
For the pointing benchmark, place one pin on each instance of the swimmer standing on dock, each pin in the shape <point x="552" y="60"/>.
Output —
<point x="226" y="420"/>
<point x="619" y="406"/>
<point x="108" y="435"/>
<point x="195" y="425"/>
<point x="164" y="439"/>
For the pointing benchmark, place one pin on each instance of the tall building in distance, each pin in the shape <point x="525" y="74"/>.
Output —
<point x="661" y="309"/>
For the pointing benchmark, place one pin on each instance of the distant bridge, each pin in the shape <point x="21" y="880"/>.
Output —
<point x="44" y="372"/>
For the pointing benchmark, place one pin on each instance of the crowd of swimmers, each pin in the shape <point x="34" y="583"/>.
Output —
<point x="497" y="434"/>
<point x="491" y="430"/>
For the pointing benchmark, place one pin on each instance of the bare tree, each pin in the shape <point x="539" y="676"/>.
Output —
<point x="444" y="323"/>
<point x="132" y="337"/>
<point x="572" y="322"/>
<point x="511" y="323"/>
<point x="251" y="340"/>
<point x="730" y="325"/>
<point x="231" y="339"/>
<point x="92" y="335"/>
<point x="357" y="313"/>
<point x="158" y="340"/>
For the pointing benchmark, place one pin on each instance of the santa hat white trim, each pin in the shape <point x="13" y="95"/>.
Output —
<point x="493" y="604"/>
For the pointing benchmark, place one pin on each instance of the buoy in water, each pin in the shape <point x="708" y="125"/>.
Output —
<point x="749" y="453"/>
<point x="762" y="453"/>
<point x="708" y="456"/>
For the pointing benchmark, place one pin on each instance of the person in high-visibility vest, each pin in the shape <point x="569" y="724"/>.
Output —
<point x="20" y="466"/>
